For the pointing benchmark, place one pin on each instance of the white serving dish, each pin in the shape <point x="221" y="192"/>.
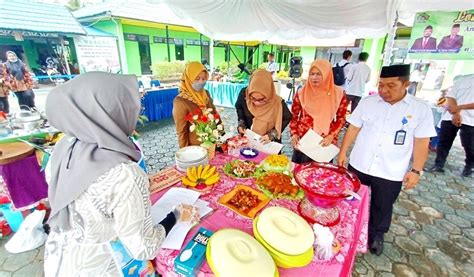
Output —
<point x="191" y="154"/>
<point x="285" y="231"/>
<point x="235" y="253"/>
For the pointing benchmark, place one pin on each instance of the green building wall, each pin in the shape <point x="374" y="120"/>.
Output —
<point x="29" y="48"/>
<point x="159" y="53"/>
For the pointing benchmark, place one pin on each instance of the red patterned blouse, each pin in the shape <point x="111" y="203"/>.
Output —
<point x="302" y="121"/>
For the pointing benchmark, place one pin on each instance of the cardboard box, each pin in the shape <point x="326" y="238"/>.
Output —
<point x="189" y="264"/>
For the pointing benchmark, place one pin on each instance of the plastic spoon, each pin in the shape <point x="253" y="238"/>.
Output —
<point x="187" y="253"/>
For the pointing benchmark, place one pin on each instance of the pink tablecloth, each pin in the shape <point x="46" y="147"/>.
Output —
<point x="351" y="231"/>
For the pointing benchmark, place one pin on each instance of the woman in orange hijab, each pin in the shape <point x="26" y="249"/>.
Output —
<point x="319" y="105"/>
<point x="260" y="109"/>
<point x="192" y="96"/>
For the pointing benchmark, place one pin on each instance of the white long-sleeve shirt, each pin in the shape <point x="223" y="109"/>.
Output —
<point x="117" y="206"/>
<point x="358" y="76"/>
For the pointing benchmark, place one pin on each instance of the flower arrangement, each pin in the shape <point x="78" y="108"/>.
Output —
<point x="207" y="124"/>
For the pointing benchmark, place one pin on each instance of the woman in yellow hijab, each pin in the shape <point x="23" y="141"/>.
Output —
<point x="192" y="96"/>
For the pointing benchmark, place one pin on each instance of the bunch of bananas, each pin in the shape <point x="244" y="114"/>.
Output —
<point x="197" y="176"/>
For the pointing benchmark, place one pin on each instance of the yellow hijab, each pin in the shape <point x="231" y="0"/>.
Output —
<point x="192" y="70"/>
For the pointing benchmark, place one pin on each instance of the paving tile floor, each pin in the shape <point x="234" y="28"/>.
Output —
<point x="432" y="230"/>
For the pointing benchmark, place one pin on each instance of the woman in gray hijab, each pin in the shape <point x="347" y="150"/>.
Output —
<point x="21" y="82"/>
<point x="97" y="192"/>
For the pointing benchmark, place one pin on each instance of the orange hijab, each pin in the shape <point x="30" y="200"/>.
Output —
<point x="321" y="102"/>
<point x="269" y="115"/>
<point x="192" y="70"/>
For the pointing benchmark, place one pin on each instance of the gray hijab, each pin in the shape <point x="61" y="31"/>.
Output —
<point x="97" y="112"/>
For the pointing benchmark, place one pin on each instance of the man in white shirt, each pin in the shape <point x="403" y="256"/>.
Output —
<point x="359" y="75"/>
<point x="345" y="63"/>
<point x="272" y="67"/>
<point x="390" y="128"/>
<point x="460" y="116"/>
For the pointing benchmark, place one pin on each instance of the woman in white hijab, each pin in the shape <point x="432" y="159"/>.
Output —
<point x="97" y="192"/>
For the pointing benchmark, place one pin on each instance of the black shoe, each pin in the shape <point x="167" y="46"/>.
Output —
<point x="467" y="172"/>
<point x="436" y="168"/>
<point x="376" y="247"/>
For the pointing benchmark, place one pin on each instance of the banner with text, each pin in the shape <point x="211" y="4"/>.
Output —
<point x="96" y="53"/>
<point x="442" y="36"/>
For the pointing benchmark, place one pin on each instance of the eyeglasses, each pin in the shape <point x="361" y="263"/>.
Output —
<point x="260" y="100"/>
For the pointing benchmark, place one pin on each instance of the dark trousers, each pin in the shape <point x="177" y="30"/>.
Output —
<point x="300" y="158"/>
<point x="446" y="138"/>
<point x="4" y="105"/>
<point x="26" y="99"/>
<point x="354" y="101"/>
<point x="383" y="194"/>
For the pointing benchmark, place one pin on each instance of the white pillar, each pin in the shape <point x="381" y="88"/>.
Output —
<point x="387" y="53"/>
<point x="65" y="54"/>
<point x="211" y="55"/>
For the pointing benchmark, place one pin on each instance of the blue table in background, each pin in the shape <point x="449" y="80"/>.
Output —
<point x="224" y="94"/>
<point x="158" y="103"/>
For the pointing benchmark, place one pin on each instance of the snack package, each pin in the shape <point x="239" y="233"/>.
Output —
<point x="235" y="144"/>
<point x="190" y="259"/>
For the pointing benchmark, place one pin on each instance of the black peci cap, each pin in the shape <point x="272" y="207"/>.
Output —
<point x="398" y="70"/>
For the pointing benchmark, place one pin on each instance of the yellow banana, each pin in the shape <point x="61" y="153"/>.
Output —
<point x="205" y="171"/>
<point x="188" y="171"/>
<point x="192" y="174"/>
<point x="199" y="172"/>
<point x="209" y="173"/>
<point x="188" y="182"/>
<point x="212" y="180"/>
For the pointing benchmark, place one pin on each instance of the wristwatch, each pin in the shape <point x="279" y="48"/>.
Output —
<point x="420" y="173"/>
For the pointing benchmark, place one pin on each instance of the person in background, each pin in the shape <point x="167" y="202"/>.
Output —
<point x="206" y="64"/>
<point x="21" y="82"/>
<point x="260" y="109"/>
<point x="441" y="108"/>
<point x="319" y="105"/>
<point x="416" y="77"/>
<point x="192" y="96"/>
<point x="341" y="69"/>
<point x="439" y="80"/>
<point x="453" y="41"/>
<point x="388" y="129"/>
<point x="272" y="67"/>
<point x="460" y="116"/>
<point x="97" y="191"/>
<point x="4" y="88"/>
<point x="358" y="76"/>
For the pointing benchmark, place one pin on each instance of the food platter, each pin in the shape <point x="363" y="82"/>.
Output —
<point x="244" y="200"/>
<point x="279" y="185"/>
<point x="240" y="169"/>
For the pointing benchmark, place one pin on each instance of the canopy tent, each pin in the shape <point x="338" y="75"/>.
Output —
<point x="302" y="22"/>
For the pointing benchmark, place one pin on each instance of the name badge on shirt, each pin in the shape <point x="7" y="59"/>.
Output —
<point x="400" y="135"/>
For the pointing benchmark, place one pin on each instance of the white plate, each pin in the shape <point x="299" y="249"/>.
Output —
<point x="183" y="167"/>
<point x="191" y="154"/>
